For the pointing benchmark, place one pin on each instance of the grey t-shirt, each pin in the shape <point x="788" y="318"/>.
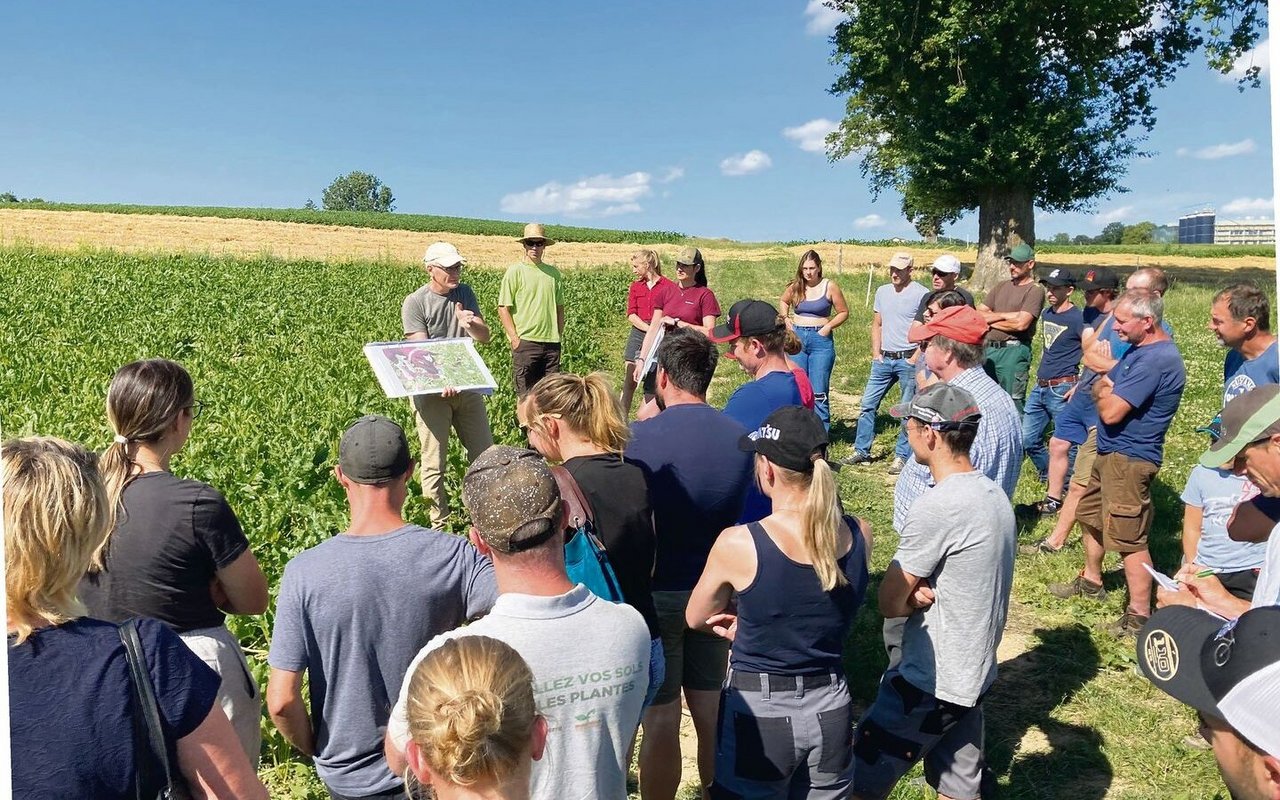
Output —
<point x="590" y="664"/>
<point x="424" y="311"/>
<point x="353" y="611"/>
<point x="897" y="310"/>
<point x="968" y="559"/>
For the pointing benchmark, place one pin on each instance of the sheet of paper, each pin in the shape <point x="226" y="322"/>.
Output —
<point x="1164" y="580"/>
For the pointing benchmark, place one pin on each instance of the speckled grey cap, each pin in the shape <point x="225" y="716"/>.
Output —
<point x="511" y="496"/>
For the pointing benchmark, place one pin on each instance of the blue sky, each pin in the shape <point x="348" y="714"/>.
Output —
<point x="696" y="117"/>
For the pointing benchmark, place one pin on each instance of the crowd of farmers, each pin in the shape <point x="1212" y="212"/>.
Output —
<point x="696" y="558"/>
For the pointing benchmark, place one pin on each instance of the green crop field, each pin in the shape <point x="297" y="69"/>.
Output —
<point x="275" y="350"/>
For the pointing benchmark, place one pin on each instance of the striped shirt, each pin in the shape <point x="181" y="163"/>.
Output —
<point x="996" y="451"/>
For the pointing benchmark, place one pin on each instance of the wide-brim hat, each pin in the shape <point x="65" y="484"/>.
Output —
<point x="534" y="230"/>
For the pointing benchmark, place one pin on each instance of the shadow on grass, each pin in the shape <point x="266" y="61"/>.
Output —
<point x="1057" y="759"/>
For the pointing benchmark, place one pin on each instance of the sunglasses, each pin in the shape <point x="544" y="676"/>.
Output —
<point x="937" y="273"/>
<point x="534" y="243"/>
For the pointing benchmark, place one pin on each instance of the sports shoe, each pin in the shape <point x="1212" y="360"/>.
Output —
<point x="856" y="459"/>
<point x="1038" y="548"/>
<point x="1128" y="625"/>
<point x="1080" y="587"/>
<point x="898" y="463"/>
<point x="1048" y="506"/>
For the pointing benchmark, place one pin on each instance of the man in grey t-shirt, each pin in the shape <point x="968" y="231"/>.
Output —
<point x="951" y="577"/>
<point x="445" y="309"/>
<point x="589" y="657"/>
<point x="893" y="358"/>
<point x="354" y="610"/>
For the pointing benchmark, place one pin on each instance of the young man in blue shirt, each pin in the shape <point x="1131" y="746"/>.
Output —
<point x="1063" y="326"/>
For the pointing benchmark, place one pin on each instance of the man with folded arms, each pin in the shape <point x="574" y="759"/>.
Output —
<point x="1136" y="402"/>
<point x="1011" y="309"/>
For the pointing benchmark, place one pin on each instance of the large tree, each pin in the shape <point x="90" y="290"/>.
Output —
<point x="1008" y="105"/>
<point x="357" y="191"/>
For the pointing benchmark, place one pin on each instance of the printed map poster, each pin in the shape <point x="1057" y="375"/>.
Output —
<point x="429" y="367"/>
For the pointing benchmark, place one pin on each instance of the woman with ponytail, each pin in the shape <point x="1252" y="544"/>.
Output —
<point x="474" y="729"/>
<point x="800" y="575"/>
<point x="177" y="552"/>
<point x="576" y="420"/>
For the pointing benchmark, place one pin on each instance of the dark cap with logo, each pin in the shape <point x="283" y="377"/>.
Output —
<point x="1226" y="670"/>
<point x="792" y="437"/>
<point x="1059" y="277"/>
<point x="373" y="450"/>
<point x="1099" y="278"/>
<point x="747" y="318"/>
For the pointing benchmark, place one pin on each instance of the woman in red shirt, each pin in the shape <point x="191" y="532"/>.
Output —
<point x="648" y="284"/>
<point x="686" y="303"/>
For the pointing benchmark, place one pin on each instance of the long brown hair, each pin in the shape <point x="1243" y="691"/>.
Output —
<point x="144" y="399"/>
<point x="796" y="289"/>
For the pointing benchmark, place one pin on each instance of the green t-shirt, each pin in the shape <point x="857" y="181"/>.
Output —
<point x="532" y="292"/>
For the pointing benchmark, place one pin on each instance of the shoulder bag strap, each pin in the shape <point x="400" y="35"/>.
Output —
<point x="145" y="696"/>
<point x="571" y="495"/>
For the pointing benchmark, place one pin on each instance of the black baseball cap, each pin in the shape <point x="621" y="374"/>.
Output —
<point x="790" y="437"/>
<point x="1059" y="277"/>
<point x="1226" y="670"/>
<point x="1099" y="278"/>
<point x="747" y="318"/>
<point x="373" y="450"/>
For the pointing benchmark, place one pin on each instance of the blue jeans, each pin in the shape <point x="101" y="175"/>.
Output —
<point x="884" y="374"/>
<point x="1044" y="404"/>
<point x="816" y="357"/>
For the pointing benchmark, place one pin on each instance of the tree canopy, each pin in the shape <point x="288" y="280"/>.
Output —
<point x="1005" y="105"/>
<point x="357" y="191"/>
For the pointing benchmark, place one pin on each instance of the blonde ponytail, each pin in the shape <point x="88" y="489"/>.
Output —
<point x="587" y="404"/>
<point x="821" y="525"/>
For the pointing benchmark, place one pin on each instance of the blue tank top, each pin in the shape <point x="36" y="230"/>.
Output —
<point x="815" y="308"/>
<point x="787" y="625"/>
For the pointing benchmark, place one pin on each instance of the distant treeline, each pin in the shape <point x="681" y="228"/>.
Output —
<point x="371" y="219"/>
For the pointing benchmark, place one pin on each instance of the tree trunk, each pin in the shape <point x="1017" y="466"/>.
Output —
<point x="1006" y="218"/>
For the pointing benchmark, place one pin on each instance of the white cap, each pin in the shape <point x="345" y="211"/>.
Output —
<point x="946" y="263"/>
<point x="442" y="254"/>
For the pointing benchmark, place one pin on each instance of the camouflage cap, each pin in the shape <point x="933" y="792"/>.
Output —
<point x="512" y="498"/>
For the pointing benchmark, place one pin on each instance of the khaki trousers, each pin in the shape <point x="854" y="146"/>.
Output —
<point x="433" y="416"/>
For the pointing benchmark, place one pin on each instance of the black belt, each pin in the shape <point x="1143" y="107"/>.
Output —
<point x="777" y="684"/>
<point x="898" y="353"/>
<point x="1005" y="343"/>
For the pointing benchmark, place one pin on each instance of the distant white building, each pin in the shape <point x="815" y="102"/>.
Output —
<point x="1248" y="231"/>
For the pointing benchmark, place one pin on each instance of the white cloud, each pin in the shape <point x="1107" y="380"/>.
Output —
<point x="746" y="163"/>
<point x="1119" y="214"/>
<point x="1250" y="205"/>
<point x="597" y="196"/>
<point x="812" y="135"/>
<point x="1259" y="56"/>
<point x="671" y="174"/>
<point x="822" y="19"/>
<point x="1216" y="151"/>
<point x="869" y="221"/>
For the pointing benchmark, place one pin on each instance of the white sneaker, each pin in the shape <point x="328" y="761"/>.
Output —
<point x="898" y="463"/>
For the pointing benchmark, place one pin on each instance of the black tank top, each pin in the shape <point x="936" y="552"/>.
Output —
<point x="787" y="625"/>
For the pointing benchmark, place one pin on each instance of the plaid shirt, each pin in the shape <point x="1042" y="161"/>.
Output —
<point x="997" y="450"/>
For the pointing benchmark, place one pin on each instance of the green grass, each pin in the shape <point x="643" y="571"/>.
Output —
<point x="372" y="219"/>
<point x="274" y="348"/>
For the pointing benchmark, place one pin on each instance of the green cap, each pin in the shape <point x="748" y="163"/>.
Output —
<point x="1247" y="418"/>
<point x="689" y="255"/>
<point x="1021" y="253"/>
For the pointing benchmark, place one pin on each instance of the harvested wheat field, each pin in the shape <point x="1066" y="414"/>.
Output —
<point x="69" y="230"/>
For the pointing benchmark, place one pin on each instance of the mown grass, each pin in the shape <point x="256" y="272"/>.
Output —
<point x="274" y="347"/>
<point x="372" y="219"/>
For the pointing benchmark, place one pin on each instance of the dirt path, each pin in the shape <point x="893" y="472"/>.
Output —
<point x="69" y="230"/>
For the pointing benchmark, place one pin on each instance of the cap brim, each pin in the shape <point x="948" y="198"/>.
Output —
<point x="443" y="265"/>
<point x="746" y="444"/>
<point x="901" y="410"/>
<point x="722" y="333"/>
<point x="920" y="333"/>
<point x="1169" y="649"/>
<point x="1225" y="450"/>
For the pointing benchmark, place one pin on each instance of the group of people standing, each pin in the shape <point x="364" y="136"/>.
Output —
<point x="401" y="655"/>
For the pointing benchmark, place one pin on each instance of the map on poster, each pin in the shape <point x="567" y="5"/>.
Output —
<point x="429" y="367"/>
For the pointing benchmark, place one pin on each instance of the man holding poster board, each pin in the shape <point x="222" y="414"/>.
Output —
<point x="445" y="309"/>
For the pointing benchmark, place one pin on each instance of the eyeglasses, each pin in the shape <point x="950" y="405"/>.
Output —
<point x="195" y="408"/>
<point x="937" y="273"/>
<point x="535" y="243"/>
<point x="454" y="268"/>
